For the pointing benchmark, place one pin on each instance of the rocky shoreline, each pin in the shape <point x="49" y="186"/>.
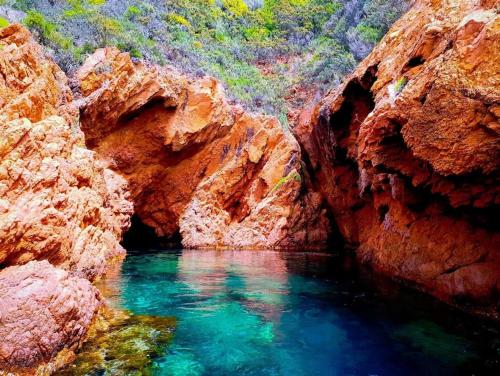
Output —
<point x="400" y="163"/>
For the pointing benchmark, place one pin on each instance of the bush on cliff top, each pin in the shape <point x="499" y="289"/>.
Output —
<point x="3" y="22"/>
<point x="258" y="48"/>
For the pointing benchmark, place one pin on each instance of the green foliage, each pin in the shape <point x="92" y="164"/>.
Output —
<point x="258" y="49"/>
<point x="256" y="33"/>
<point x="23" y="5"/>
<point x="132" y="11"/>
<point x="3" y="22"/>
<point x="369" y="33"/>
<point x="294" y="175"/>
<point x="400" y="84"/>
<point x="329" y="63"/>
<point x="236" y="7"/>
<point x="178" y="19"/>
<point x="48" y="30"/>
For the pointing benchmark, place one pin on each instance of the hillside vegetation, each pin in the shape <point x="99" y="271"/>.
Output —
<point x="259" y="49"/>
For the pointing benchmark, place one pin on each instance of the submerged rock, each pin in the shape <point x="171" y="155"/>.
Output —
<point x="122" y="344"/>
<point x="407" y="152"/>
<point x="194" y="163"/>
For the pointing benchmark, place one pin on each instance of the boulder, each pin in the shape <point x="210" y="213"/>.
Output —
<point x="43" y="311"/>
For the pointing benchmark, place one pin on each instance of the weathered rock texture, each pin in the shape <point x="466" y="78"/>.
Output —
<point x="194" y="163"/>
<point x="406" y="152"/>
<point x="57" y="202"/>
<point x="189" y="161"/>
<point x="42" y="310"/>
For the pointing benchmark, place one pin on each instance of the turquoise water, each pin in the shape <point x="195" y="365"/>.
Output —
<point x="271" y="313"/>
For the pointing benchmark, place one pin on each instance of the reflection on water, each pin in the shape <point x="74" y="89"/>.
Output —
<point x="271" y="313"/>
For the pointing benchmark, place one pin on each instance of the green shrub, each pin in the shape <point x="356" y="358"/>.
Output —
<point x="3" y="22"/>
<point x="48" y="30"/>
<point x="236" y="7"/>
<point x="178" y="19"/>
<point x="258" y="49"/>
<point x="294" y="175"/>
<point x="369" y="33"/>
<point x="132" y="11"/>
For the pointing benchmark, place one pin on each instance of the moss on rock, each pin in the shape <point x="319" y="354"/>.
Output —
<point x="122" y="344"/>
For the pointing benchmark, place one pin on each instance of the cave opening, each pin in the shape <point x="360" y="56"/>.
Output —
<point x="341" y="128"/>
<point x="414" y="61"/>
<point x="141" y="237"/>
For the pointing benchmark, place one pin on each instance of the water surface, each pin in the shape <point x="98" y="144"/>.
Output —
<point x="272" y="313"/>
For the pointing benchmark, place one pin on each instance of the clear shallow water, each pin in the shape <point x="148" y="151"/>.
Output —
<point x="271" y="313"/>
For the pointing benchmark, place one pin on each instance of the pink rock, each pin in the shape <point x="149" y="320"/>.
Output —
<point x="43" y="309"/>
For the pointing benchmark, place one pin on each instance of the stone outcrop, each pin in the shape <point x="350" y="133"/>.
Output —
<point x="188" y="160"/>
<point x="57" y="202"/>
<point x="194" y="163"/>
<point x="406" y="152"/>
<point x="43" y="310"/>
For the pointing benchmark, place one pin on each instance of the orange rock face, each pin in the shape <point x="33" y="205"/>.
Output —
<point x="57" y="202"/>
<point x="190" y="162"/>
<point x="195" y="164"/>
<point x="406" y="152"/>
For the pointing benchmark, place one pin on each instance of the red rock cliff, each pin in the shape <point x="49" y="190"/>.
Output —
<point x="57" y="203"/>
<point x="188" y="160"/>
<point x="406" y="152"/>
<point x="194" y="163"/>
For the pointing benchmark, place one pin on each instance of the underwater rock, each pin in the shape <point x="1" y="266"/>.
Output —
<point x="122" y="344"/>
<point x="407" y="152"/>
<point x="193" y="162"/>
<point x="43" y="310"/>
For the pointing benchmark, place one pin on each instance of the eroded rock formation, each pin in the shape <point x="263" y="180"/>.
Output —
<point x="406" y="152"/>
<point x="188" y="160"/>
<point x="194" y="163"/>
<point x="57" y="203"/>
